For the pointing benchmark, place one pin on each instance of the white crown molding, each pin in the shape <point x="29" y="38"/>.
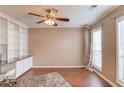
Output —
<point x="54" y="27"/>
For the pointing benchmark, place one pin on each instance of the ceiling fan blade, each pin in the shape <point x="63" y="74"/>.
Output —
<point x="40" y="21"/>
<point x="35" y="14"/>
<point x="63" y="19"/>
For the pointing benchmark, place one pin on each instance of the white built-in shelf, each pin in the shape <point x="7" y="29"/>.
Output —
<point x="13" y="40"/>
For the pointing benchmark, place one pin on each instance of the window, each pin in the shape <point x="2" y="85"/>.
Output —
<point x="97" y="48"/>
<point x="120" y="50"/>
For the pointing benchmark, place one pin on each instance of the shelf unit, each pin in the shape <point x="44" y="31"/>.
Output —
<point x="13" y="41"/>
<point x="23" y="42"/>
<point x="13" y="47"/>
<point x="3" y="40"/>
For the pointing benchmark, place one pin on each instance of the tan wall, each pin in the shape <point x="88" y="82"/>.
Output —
<point x="109" y="44"/>
<point x="56" y="47"/>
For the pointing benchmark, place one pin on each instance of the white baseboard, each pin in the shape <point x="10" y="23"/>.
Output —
<point x="58" y="67"/>
<point x="103" y="77"/>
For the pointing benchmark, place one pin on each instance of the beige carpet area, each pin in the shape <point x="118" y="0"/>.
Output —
<point x="53" y="79"/>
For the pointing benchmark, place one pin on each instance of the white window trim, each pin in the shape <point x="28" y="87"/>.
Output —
<point x="95" y="29"/>
<point x="119" y="19"/>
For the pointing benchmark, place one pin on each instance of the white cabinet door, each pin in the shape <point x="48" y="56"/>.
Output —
<point x="19" y="68"/>
<point x="27" y="64"/>
<point x="23" y="65"/>
<point x="30" y="62"/>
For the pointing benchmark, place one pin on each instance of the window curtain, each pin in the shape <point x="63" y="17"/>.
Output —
<point x="88" y="48"/>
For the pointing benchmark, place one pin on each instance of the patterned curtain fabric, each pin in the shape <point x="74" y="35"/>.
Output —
<point x="88" y="48"/>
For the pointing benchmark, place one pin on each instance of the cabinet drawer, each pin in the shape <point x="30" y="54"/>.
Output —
<point x="23" y="65"/>
<point x="19" y="68"/>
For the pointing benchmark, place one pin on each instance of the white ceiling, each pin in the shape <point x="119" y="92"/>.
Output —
<point x="79" y="14"/>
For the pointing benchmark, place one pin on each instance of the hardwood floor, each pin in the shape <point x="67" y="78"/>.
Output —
<point x="76" y="77"/>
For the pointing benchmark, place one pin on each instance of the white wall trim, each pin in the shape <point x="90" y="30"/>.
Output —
<point x="103" y="77"/>
<point x="9" y="18"/>
<point x="57" y="66"/>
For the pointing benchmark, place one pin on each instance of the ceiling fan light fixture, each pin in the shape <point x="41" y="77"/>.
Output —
<point x="50" y="22"/>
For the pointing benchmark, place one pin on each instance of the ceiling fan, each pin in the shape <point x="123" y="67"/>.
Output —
<point x="50" y="19"/>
